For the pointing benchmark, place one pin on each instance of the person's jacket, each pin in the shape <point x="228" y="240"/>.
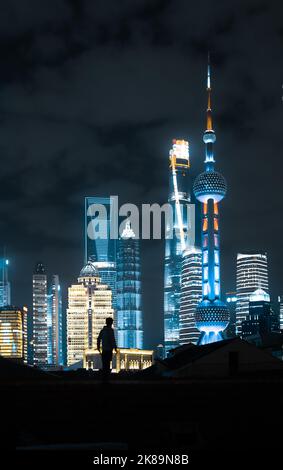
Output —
<point x="107" y="338"/>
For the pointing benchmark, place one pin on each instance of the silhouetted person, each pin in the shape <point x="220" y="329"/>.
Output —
<point x="107" y="338"/>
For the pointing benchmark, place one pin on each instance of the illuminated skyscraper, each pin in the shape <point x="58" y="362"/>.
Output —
<point x="179" y="199"/>
<point x="190" y="295"/>
<point x="89" y="304"/>
<point x="261" y="319"/>
<point x="5" y="289"/>
<point x="101" y="250"/>
<point x="280" y="301"/>
<point x="212" y="315"/>
<point x="40" y="357"/>
<point x="231" y="300"/>
<point x="13" y="333"/>
<point x="55" y="323"/>
<point x="252" y="274"/>
<point x="129" y="308"/>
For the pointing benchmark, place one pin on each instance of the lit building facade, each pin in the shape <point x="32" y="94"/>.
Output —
<point x="102" y="250"/>
<point x="5" y="287"/>
<point x="13" y="333"/>
<point x="191" y="295"/>
<point x="55" y="323"/>
<point x="252" y="274"/>
<point x="39" y="317"/>
<point x="124" y="360"/>
<point x="129" y="306"/>
<point x="261" y="319"/>
<point x="179" y="200"/>
<point x="212" y="315"/>
<point x="89" y="304"/>
<point x="231" y="300"/>
<point x="280" y="302"/>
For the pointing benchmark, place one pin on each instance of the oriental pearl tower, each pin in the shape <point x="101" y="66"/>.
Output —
<point x="212" y="315"/>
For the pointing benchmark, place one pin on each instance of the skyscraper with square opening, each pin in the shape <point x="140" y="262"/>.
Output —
<point x="179" y="239"/>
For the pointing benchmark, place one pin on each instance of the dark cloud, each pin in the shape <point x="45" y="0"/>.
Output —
<point x="91" y="94"/>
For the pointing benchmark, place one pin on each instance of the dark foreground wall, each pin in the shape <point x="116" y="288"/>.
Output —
<point x="208" y="417"/>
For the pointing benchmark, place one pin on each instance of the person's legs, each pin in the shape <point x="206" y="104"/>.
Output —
<point x="106" y="359"/>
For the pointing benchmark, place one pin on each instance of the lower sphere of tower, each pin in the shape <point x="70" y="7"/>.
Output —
<point x="210" y="185"/>
<point x="212" y="316"/>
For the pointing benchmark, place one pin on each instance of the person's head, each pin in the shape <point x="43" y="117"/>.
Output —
<point x="109" y="321"/>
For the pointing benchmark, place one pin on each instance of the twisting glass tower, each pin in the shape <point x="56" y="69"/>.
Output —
<point x="212" y="315"/>
<point x="129" y="308"/>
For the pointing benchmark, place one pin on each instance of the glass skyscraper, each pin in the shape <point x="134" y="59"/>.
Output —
<point x="280" y="301"/>
<point x="231" y="300"/>
<point x="5" y="289"/>
<point x="129" y="308"/>
<point x="179" y="200"/>
<point x="191" y="294"/>
<point x="55" y="323"/>
<point x="261" y="319"/>
<point x="40" y="334"/>
<point x="252" y="274"/>
<point x="101" y="250"/>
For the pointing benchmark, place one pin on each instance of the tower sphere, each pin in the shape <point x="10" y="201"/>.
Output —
<point x="210" y="185"/>
<point x="212" y="316"/>
<point x="209" y="137"/>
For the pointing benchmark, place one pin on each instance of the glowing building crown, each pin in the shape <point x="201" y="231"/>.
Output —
<point x="180" y="150"/>
<point x="259" y="295"/>
<point x="89" y="270"/>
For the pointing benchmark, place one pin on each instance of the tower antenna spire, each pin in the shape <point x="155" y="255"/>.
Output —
<point x="208" y="87"/>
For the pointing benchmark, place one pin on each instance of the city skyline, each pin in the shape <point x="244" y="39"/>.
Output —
<point x="106" y="139"/>
<point x="141" y="222"/>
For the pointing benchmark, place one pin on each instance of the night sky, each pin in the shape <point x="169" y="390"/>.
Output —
<point x="91" y="95"/>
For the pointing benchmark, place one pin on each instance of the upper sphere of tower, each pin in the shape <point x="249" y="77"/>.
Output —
<point x="210" y="185"/>
<point x="209" y="137"/>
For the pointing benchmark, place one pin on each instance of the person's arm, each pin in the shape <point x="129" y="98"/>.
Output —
<point x="114" y="341"/>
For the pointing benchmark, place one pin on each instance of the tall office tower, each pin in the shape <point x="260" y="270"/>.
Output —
<point x="191" y="281"/>
<point x="5" y="288"/>
<point x="129" y="308"/>
<point x="261" y="319"/>
<point x="13" y="333"/>
<point x="55" y="323"/>
<point x="40" y="357"/>
<point x="252" y="274"/>
<point x="89" y="304"/>
<point x="101" y="250"/>
<point x="179" y="200"/>
<point x="280" y="301"/>
<point x="231" y="300"/>
<point x="212" y="315"/>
